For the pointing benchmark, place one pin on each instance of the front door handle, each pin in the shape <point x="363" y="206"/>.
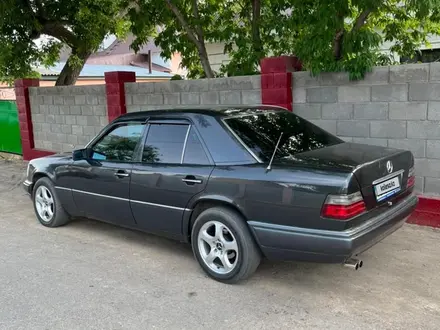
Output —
<point x="191" y="180"/>
<point x="122" y="174"/>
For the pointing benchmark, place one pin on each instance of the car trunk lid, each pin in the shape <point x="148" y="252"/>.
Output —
<point x="381" y="172"/>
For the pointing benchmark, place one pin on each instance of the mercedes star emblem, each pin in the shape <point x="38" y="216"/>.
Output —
<point x="389" y="166"/>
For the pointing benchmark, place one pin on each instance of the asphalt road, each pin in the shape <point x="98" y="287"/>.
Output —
<point x="90" y="275"/>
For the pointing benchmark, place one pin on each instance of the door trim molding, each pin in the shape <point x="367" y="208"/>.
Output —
<point x="124" y="199"/>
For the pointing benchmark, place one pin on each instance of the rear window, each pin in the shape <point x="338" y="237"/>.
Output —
<point x="260" y="133"/>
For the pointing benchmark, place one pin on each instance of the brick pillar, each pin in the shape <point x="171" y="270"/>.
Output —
<point x="276" y="80"/>
<point x="25" y="119"/>
<point x="115" y="89"/>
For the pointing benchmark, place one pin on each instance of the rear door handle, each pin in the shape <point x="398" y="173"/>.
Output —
<point x="191" y="180"/>
<point x="122" y="174"/>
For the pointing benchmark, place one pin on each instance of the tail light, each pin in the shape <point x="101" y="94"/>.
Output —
<point x="411" y="178"/>
<point x="343" y="207"/>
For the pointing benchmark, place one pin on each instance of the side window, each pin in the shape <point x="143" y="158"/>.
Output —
<point x="118" y="144"/>
<point x="165" y="143"/>
<point x="194" y="152"/>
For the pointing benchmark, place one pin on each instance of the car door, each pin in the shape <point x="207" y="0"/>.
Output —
<point x="101" y="182"/>
<point x="175" y="165"/>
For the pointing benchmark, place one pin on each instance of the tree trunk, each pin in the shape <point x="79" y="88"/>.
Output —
<point x="204" y="60"/>
<point x="256" y="38"/>
<point x="337" y="44"/>
<point x="69" y="74"/>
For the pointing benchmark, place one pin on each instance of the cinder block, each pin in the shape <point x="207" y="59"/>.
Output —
<point x="70" y="120"/>
<point x="433" y="110"/>
<point x="308" y="111"/>
<point x="128" y="100"/>
<point x="69" y="100"/>
<point x="47" y="99"/>
<point x="346" y="138"/>
<point x="131" y="88"/>
<point x="423" y="130"/>
<point x="424" y="92"/>
<point x="432" y="186"/>
<point x="45" y="127"/>
<point x="92" y="121"/>
<point x="209" y="98"/>
<point x="144" y="88"/>
<point x="433" y="149"/>
<point x="99" y="110"/>
<point x="190" y="86"/>
<point x="334" y="78"/>
<point x="102" y="99"/>
<point x="64" y="110"/>
<point x="139" y="99"/>
<point x="434" y="71"/>
<point x="92" y="99"/>
<point x="299" y="95"/>
<point x="322" y="95"/>
<point x="171" y="98"/>
<point x="390" y="93"/>
<point x="59" y="119"/>
<point x="55" y="128"/>
<point x="408" y="110"/>
<point x="66" y="129"/>
<point x="409" y="73"/>
<point x="49" y="119"/>
<point x="378" y="76"/>
<point x="190" y="98"/>
<point x="420" y="184"/>
<point x="372" y="141"/>
<point x="251" y="97"/>
<point x="371" y="111"/>
<point x="103" y="121"/>
<point x="89" y="130"/>
<point x="37" y="127"/>
<point x="154" y="99"/>
<point x="43" y="108"/>
<point x="72" y="139"/>
<point x="80" y="99"/>
<point x="337" y="111"/>
<point x="61" y="138"/>
<point x="77" y="130"/>
<point x="230" y="97"/>
<point x="388" y="129"/>
<point x="416" y="146"/>
<point x="75" y="110"/>
<point x="87" y="110"/>
<point x="353" y="128"/>
<point x="162" y="87"/>
<point x="56" y="147"/>
<point x="305" y="79"/>
<point x="58" y="100"/>
<point x="54" y="109"/>
<point x="327" y="125"/>
<point x="81" y="120"/>
<point x="427" y="167"/>
<point x="354" y="93"/>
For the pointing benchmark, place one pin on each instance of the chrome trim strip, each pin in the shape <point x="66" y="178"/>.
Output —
<point x="128" y="200"/>
<point x="184" y="144"/>
<point x="27" y="183"/>
<point x="99" y="195"/>
<point x="241" y="142"/>
<point x="160" y="205"/>
<point x="389" y="176"/>
<point x="63" y="188"/>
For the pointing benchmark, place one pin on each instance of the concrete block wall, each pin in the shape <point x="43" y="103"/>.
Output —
<point x="65" y="118"/>
<point x="395" y="107"/>
<point x="162" y="95"/>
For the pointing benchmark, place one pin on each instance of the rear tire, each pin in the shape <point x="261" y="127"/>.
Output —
<point x="224" y="246"/>
<point x="47" y="205"/>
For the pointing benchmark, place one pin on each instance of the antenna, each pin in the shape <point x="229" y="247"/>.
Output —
<point x="269" y="167"/>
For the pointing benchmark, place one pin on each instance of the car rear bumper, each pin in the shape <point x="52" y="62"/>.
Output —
<point x="295" y="243"/>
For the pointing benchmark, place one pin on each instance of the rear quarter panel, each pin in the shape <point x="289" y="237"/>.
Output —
<point x="283" y="196"/>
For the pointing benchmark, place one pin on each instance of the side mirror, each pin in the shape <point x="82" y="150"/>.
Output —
<point x="79" y="154"/>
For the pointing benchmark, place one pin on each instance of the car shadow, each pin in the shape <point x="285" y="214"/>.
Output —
<point x="285" y="273"/>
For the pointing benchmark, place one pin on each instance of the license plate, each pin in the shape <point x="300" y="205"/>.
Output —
<point x="387" y="188"/>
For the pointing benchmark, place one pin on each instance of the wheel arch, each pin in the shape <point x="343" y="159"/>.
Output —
<point x="206" y="202"/>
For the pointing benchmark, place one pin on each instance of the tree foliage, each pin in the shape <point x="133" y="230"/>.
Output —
<point x="80" y="25"/>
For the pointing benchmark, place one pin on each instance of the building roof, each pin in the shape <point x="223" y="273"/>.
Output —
<point x="97" y="71"/>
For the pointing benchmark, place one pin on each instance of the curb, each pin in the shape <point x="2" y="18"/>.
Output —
<point x="427" y="212"/>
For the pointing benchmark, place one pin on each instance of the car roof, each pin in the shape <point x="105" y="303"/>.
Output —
<point x="214" y="111"/>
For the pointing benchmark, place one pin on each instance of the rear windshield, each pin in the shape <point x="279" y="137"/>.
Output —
<point x="260" y="133"/>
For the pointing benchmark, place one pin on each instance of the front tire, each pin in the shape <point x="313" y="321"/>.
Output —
<point x="47" y="205"/>
<point x="223" y="245"/>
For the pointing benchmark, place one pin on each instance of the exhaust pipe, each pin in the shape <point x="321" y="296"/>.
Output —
<point x="354" y="264"/>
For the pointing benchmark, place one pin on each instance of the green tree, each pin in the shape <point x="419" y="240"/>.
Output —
<point x="80" y="25"/>
<point x="343" y="35"/>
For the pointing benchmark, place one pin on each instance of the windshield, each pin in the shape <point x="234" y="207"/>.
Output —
<point x="260" y="132"/>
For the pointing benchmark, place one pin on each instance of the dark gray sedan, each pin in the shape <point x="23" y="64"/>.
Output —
<point x="238" y="183"/>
